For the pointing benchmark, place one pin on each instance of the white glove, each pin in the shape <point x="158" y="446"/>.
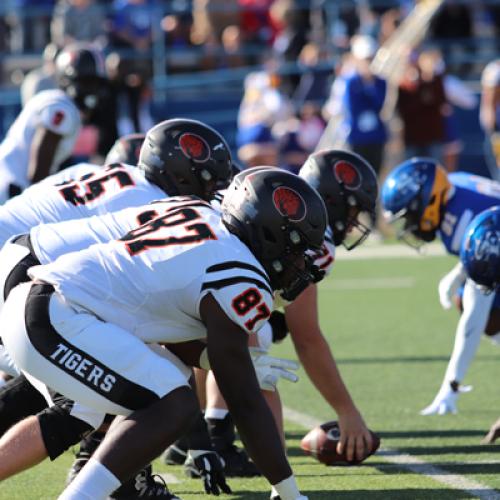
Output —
<point x="270" y="369"/>
<point x="445" y="400"/>
<point x="449" y="285"/>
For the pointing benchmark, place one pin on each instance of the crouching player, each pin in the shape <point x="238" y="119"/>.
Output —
<point x="480" y="256"/>
<point x="428" y="201"/>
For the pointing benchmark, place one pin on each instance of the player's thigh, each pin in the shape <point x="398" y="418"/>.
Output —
<point x="11" y="256"/>
<point x="97" y="364"/>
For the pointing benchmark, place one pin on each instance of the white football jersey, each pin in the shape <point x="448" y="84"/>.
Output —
<point x="107" y="190"/>
<point x="70" y="173"/>
<point x="50" y="109"/>
<point x="151" y="281"/>
<point x="50" y="241"/>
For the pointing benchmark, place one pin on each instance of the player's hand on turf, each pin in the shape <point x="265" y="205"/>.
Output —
<point x="445" y="401"/>
<point x="449" y="285"/>
<point x="270" y="369"/>
<point x="355" y="438"/>
<point x="209" y="467"/>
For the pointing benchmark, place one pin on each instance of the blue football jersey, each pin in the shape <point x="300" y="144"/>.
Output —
<point x="470" y="195"/>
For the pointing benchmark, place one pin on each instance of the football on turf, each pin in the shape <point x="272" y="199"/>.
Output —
<point x="321" y="443"/>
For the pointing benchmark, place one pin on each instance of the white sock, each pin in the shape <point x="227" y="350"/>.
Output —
<point x="93" y="482"/>
<point x="215" y="413"/>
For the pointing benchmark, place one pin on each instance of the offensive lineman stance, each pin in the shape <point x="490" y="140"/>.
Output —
<point x="230" y="268"/>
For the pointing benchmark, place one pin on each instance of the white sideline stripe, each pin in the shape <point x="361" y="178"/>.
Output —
<point x="368" y="283"/>
<point x="409" y="462"/>
<point x="377" y="251"/>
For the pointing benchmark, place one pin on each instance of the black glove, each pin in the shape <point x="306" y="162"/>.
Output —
<point x="210" y="467"/>
<point x="278" y="326"/>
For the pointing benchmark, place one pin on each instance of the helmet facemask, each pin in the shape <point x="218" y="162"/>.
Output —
<point x="295" y="271"/>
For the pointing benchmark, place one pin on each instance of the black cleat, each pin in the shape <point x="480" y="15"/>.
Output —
<point x="87" y="447"/>
<point x="144" y="485"/>
<point x="238" y="463"/>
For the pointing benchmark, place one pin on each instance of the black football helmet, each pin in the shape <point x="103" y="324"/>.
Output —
<point x="126" y="149"/>
<point x="186" y="157"/>
<point x="348" y="186"/>
<point x="81" y="73"/>
<point x="279" y="217"/>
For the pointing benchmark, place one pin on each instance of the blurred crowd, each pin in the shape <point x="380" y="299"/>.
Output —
<point x="316" y="57"/>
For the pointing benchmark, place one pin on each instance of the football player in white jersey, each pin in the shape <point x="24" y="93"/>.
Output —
<point x="90" y="316"/>
<point x="348" y="186"/>
<point x="125" y="150"/>
<point x="44" y="133"/>
<point x="186" y="144"/>
<point x="184" y="156"/>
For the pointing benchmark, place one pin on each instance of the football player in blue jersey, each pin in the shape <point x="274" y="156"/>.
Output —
<point x="428" y="202"/>
<point x="480" y="256"/>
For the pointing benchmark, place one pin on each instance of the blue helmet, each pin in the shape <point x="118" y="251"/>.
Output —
<point x="415" y="192"/>
<point x="480" y="250"/>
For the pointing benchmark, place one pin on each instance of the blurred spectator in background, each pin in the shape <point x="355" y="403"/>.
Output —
<point x="263" y="102"/>
<point x="131" y="28"/>
<point x="292" y="21"/>
<point x="490" y="115"/>
<point x="30" y="25"/>
<point x="362" y="102"/>
<point x="298" y="137"/>
<point x="42" y="78"/>
<point x="421" y="105"/>
<point x="452" y="26"/>
<point x="314" y="77"/>
<point x="211" y="18"/>
<point x="131" y="24"/>
<point x="78" y="20"/>
<point x="345" y="24"/>
<point x="181" y="51"/>
<point x="458" y="95"/>
<point x="233" y="49"/>
<point x="258" y="29"/>
<point x="257" y="146"/>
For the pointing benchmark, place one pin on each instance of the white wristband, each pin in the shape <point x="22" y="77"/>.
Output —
<point x="287" y="489"/>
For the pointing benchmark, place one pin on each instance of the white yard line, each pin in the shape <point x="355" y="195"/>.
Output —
<point x="411" y="463"/>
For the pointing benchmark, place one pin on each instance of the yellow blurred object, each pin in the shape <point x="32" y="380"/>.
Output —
<point x="495" y="145"/>
<point x="432" y="214"/>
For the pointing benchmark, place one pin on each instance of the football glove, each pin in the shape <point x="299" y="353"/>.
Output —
<point x="270" y="369"/>
<point x="445" y="400"/>
<point x="209" y="467"/>
<point x="449" y="285"/>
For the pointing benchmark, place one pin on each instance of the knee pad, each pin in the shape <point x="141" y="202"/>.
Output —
<point x="60" y="429"/>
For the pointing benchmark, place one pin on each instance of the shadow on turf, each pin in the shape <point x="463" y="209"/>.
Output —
<point x="444" y="468"/>
<point x="448" y="450"/>
<point x="409" y="494"/>
<point x="298" y="435"/>
<point x="403" y="359"/>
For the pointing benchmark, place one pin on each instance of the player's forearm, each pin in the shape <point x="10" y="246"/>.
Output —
<point x="253" y="418"/>
<point x="262" y="440"/>
<point x="321" y="368"/>
<point x="468" y="335"/>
